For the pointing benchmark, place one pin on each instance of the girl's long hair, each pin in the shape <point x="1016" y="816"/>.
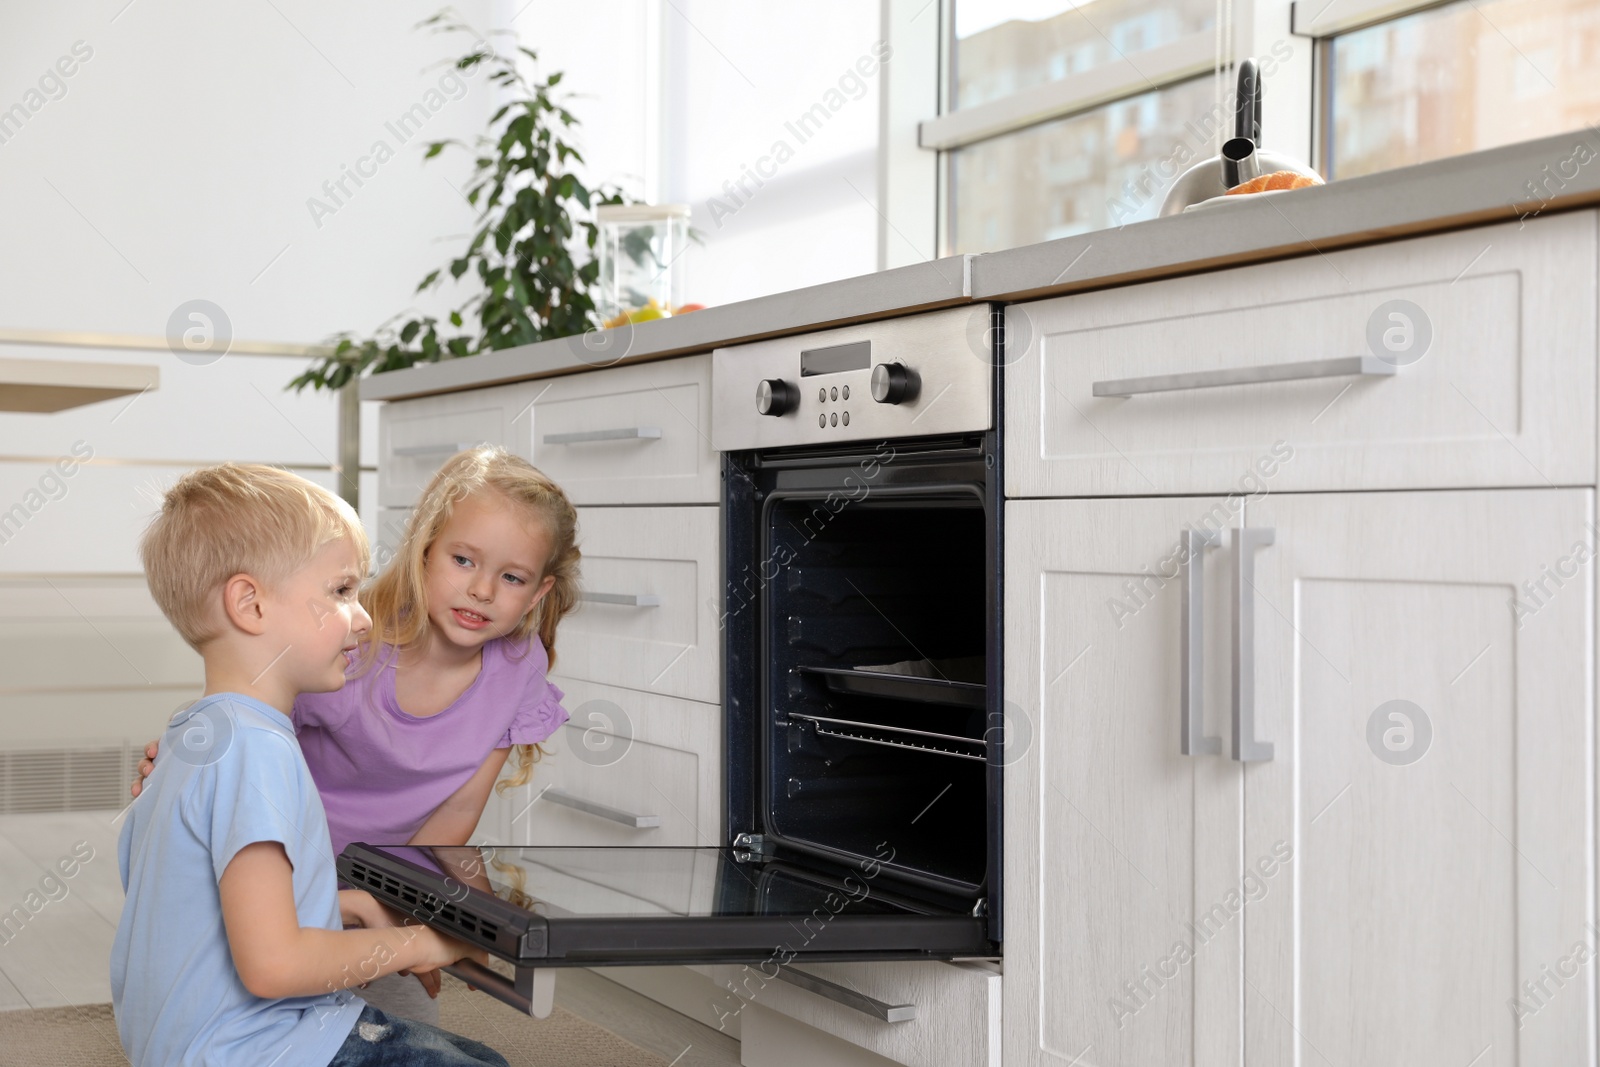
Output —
<point x="396" y="599"/>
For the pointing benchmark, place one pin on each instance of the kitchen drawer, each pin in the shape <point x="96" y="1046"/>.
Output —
<point x="651" y="589"/>
<point x="386" y="541"/>
<point x="1490" y="334"/>
<point x="957" y="1006"/>
<point x="636" y="434"/>
<point x="628" y="768"/>
<point x="416" y="436"/>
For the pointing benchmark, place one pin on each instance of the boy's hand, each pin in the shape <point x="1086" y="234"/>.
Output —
<point x="360" y="908"/>
<point x="146" y="765"/>
<point x="439" y="950"/>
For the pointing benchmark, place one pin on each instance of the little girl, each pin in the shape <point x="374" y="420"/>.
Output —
<point x="449" y="683"/>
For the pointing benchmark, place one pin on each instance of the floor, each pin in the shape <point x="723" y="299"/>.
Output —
<point x="56" y="932"/>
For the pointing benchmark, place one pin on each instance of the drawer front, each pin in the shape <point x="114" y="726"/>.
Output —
<point x="957" y="1022"/>
<point x="416" y="436"/>
<point x="628" y="768"/>
<point x="649" y="617"/>
<point x="1489" y="335"/>
<point x="636" y="434"/>
<point x="386" y="542"/>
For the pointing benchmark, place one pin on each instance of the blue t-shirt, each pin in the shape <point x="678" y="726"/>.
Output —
<point x="230" y="774"/>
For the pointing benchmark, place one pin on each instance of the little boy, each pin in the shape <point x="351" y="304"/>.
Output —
<point x="231" y="949"/>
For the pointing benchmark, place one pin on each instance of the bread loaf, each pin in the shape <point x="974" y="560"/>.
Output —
<point x="1278" y="179"/>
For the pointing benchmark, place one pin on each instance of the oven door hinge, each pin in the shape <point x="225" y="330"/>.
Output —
<point x="749" y="847"/>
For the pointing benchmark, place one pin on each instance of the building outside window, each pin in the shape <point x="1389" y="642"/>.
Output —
<point x="1061" y="119"/>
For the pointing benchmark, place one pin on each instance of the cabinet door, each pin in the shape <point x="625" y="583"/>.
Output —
<point x="1115" y="842"/>
<point x="1183" y="385"/>
<point x="1441" y="847"/>
<point x="649" y="609"/>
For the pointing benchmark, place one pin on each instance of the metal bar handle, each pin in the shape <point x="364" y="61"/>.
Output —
<point x="445" y="448"/>
<point x="629" y="433"/>
<point x="627" y="600"/>
<point x="877" y="1009"/>
<point x="1192" y="737"/>
<point x="1246" y="749"/>
<point x="532" y="992"/>
<point x="603" y="811"/>
<point x="1343" y="366"/>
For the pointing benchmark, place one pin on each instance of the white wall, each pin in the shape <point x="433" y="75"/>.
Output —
<point x="185" y="158"/>
<point x="175" y="163"/>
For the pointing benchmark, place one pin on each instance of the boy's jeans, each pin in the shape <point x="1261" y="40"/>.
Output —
<point x="380" y="1040"/>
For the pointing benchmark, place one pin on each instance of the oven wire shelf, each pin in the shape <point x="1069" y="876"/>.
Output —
<point x="896" y="737"/>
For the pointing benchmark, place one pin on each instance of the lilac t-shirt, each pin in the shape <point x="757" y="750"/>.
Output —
<point x="382" y="772"/>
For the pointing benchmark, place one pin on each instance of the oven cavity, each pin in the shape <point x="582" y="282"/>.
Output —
<point x="877" y="633"/>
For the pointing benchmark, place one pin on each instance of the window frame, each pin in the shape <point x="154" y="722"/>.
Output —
<point x="1292" y="117"/>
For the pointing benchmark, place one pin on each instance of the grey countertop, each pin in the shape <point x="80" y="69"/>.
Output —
<point x="1497" y="185"/>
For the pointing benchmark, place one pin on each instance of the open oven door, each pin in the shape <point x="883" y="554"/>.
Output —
<point x="547" y="907"/>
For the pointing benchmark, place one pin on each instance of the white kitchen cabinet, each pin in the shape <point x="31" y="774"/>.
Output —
<point x="1115" y="841"/>
<point x="628" y="768"/>
<point x="416" y="436"/>
<point x="954" y="1008"/>
<point x="637" y="434"/>
<point x="1422" y="894"/>
<point x="1489" y="334"/>
<point x="1333" y="903"/>
<point x="650" y="615"/>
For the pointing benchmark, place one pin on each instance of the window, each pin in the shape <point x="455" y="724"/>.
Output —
<point x="1059" y="114"/>
<point x="1060" y="118"/>
<point x="1471" y="75"/>
<point x="1103" y="167"/>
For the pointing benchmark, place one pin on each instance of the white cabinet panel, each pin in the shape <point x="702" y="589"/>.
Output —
<point x="624" y="753"/>
<point x="1493" y="383"/>
<point x="416" y="436"/>
<point x="1442" y="854"/>
<point x="957" y="1008"/>
<point x="650" y="618"/>
<point x="1415" y="856"/>
<point x="637" y="434"/>
<point x="1118" y="846"/>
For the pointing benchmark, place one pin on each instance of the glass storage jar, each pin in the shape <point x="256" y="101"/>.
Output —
<point x="641" y="269"/>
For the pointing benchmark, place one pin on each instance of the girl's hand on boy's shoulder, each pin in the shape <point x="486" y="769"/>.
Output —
<point x="146" y="765"/>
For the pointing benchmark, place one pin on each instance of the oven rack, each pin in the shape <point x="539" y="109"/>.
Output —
<point x="916" y="740"/>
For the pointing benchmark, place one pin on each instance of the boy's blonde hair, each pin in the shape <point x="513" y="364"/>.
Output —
<point x="396" y="599"/>
<point x="236" y="518"/>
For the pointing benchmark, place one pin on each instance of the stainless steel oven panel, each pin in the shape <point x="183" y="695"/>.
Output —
<point x="945" y="359"/>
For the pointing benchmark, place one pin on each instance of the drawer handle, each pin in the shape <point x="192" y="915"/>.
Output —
<point x="877" y="1009"/>
<point x="603" y="811"/>
<point x="430" y="450"/>
<point x="630" y="433"/>
<point x="627" y="600"/>
<point x="1366" y="366"/>
<point x="1246" y="749"/>
<point x="1192" y="739"/>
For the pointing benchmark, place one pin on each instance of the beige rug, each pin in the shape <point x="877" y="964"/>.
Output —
<point x="87" y="1036"/>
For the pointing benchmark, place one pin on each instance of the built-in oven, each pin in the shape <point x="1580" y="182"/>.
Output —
<point x="862" y="717"/>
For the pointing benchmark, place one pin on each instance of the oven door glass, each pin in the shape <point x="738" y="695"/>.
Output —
<point x="597" y="906"/>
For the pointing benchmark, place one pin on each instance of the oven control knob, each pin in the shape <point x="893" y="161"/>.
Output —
<point x="774" y="396"/>
<point x="891" y="383"/>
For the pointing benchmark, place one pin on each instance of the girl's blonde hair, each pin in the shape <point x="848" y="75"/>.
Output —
<point x="396" y="598"/>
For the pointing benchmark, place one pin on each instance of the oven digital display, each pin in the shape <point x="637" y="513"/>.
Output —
<point x="836" y="358"/>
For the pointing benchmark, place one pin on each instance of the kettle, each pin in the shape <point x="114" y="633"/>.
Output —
<point x="1242" y="156"/>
